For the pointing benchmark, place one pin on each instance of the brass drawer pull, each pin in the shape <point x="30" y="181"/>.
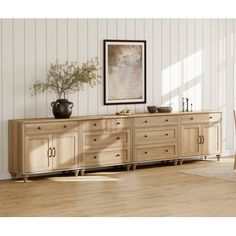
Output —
<point x="50" y="152"/>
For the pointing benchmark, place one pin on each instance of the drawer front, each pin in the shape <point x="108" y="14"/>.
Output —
<point x="156" y="153"/>
<point x="118" y="123"/>
<point x="106" y="158"/>
<point x="93" y="141"/>
<point x="154" y="121"/>
<point x="155" y="136"/>
<point x="201" y="118"/>
<point x="93" y="125"/>
<point x="51" y="127"/>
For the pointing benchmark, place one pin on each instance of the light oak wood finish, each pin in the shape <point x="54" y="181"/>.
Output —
<point x="79" y="143"/>
<point x="235" y="130"/>
<point x="159" y="190"/>
<point x="201" y="134"/>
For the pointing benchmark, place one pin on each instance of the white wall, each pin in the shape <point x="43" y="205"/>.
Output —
<point x="193" y="58"/>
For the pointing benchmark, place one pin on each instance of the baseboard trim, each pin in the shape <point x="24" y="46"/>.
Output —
<point x="5" y="176"/>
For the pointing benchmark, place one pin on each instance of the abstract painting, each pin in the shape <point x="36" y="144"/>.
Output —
<point x="124" y="72"/>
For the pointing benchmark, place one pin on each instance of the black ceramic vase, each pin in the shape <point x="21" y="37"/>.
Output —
<point x="62" y="108"/>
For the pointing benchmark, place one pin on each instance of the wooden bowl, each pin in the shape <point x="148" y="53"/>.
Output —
<point x="164" y="109"/>
<point x="152" y="109"/>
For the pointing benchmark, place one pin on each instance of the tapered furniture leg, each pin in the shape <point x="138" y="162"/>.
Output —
<point x="205" y="157"/>
<point x="218" y="157"/>
<point x="181" y="161"/>
<point x="128" y="167"/>
<point x="25" y="178"/>
<point x="82" y="171"/>
<point x="175" y="162"/>
<point x="76" y="173"/>
<point x="134" y="166"/>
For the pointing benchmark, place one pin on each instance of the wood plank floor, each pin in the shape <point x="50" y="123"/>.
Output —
<point x="156" y="190"/>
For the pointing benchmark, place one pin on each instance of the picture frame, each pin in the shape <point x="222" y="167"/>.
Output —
<point x="124" y="72"/>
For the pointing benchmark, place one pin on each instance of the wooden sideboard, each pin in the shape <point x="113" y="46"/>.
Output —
<point x="79" y="143"/>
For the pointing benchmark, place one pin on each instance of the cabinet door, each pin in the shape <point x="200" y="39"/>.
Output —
<point x="37" y="153"/>
<point x="211" y="138"/>
<point x="190" y="139"/>
<point x="65" y="153"/>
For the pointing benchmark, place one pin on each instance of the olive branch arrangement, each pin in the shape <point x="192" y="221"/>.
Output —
<point x="69" y="77"/>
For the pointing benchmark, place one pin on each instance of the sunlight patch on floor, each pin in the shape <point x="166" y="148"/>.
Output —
<point x="83" y="179"/>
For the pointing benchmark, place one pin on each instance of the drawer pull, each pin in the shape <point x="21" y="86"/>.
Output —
<point x="65" y="126"/>
<point x="167" y="134"/>
<point x="167" y="120"/>
<point x="167" y="150"/>
<point x="145" y="136"/>
<point x="117" y="155"/>
<point x="145" y="152"/>
<point x="95" y="124"/>
<point x="117" y="123"/>
<point x="145" y="121"/>
<point x="191" y="118"/>
<point x="95" y="140"/>
<point x="210" y="117"/>
<point x="94" y="157"/>
<point x="118" y="138"/>
<point x="39" y="127"/>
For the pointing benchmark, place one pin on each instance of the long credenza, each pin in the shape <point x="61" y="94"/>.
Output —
<point x="79" y="143"/>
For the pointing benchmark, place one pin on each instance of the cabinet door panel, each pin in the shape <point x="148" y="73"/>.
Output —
<point x="65" y="150"/>
<point x="37" y="153"/>
<point x="211" y="134"/>
<point x="190" y="140"/>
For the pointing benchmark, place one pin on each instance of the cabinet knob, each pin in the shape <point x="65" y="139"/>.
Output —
<point x="95" y="124"/>
<point x="65" y="126"/>
<point x="117" y="155"/>
<point x="191" y="118"/>
<point x="117" y="123"/>
<point x="39" y="127"/>
<point x="210" y="117"/>
<point x="118" y="138"/>
<point x="145" y="136"/>
<point x="145" y="152"/>
<point x="94" y="157"/>
<point x="167" y="134"/>
<point x="167" y="150"/>
<point x="145" y="121"/>
<point x="95" y="139"/>
<point x="167" y="120"/>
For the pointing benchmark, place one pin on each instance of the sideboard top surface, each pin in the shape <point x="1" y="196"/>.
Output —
<point x="114" y="116"/>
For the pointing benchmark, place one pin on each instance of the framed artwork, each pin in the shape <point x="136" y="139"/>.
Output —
<point x="124" y="72"/>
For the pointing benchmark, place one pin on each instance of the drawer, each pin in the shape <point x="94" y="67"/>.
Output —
<point x="93" y="125"/>
<point x="201" y="118"/>
<point x="105" y="140"/>
<point x="156" y="153"/>
<point x="51" y="127"/>
<point x="148" y="136"/>
<point x="112" y="157"/>
<point x="119" y="123"/>
<point x="154" y="121"/>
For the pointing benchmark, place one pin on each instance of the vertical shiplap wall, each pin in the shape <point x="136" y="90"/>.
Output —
<point x="185" y="57"/>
